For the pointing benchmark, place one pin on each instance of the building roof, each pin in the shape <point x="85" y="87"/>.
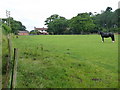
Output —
<point x="40" y="28"/>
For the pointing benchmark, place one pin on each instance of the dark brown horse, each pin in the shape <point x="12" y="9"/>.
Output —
<point x="107" y="35"/>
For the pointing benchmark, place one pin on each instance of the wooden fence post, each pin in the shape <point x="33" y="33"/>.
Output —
<point x="9" y="59"/>
<point x="9" y="53"/>
<point x="14" y="69"/>
<point x="42" y="52"/>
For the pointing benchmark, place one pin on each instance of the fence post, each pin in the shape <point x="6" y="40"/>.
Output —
<point x="8" y="68"/>
<point x="10" y="52"/>
<point x="14" y="69"/>
<point x="42" y="52"/>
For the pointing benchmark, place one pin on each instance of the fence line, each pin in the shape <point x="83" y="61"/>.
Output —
<point x="8" y="66"/>
<point x="11" y="70"/>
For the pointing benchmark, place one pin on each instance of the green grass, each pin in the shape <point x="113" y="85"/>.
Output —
<point x="66" y="61"/>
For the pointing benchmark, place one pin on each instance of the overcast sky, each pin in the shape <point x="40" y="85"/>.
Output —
<point x="34" y="12"/>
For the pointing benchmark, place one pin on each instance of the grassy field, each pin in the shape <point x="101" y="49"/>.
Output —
<point x="66" y="61"/>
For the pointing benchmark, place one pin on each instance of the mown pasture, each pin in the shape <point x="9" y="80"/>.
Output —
<point x="66" y="61"/>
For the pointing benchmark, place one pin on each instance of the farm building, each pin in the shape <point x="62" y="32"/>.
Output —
<point x="42" y="30"/>
<point x="23" y="33"/>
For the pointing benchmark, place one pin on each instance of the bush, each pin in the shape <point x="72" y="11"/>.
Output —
<point x="5" y="29"/>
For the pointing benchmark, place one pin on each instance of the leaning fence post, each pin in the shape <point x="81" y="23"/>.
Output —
<point x="8" y="67"/>
<point x="14" y="69"/>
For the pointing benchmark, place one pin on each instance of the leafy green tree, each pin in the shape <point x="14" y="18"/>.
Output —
<point x="115" y="20"/>
<point x="116" y="17"/>
<point x="108" y="20"/>
<point x="56" y="24"/>
<point x="15" y="26"/>
<point x="52" y="18"/>
<point x="81" y="23"/>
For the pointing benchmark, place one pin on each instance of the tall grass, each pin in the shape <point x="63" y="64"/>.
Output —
<point x="67" y="61"/>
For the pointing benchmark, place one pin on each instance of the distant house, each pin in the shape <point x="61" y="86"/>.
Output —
<point x="23" y="33"/>
<point x="42" y="30"/>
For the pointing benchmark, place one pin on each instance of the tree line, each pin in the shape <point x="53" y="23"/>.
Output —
<point x="85" y="23"/>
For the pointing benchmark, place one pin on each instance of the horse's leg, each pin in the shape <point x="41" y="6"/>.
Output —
<point x="113" y="38"/>
<point x="102" y="39"/>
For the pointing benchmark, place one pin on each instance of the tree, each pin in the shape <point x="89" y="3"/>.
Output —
<point x="14" y="27"/>
<point x="81" y="23"/>
<point x="56" y="24"/>
<point x="52" y="18"/>
<point x="115" y="20"/>
<point x="107" y="20"/>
